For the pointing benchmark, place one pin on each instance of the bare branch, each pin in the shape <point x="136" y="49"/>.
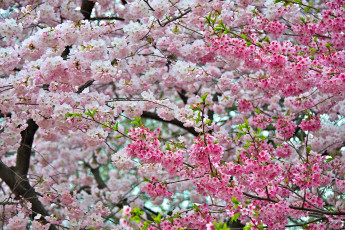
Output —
<point x="86" y="8"/>
<point x="176" y="122"/>
<point x="24" y="150"/>
<point x="107" y="18"/>
<point x="95" y="171"/>
<point x="84" y="86"/>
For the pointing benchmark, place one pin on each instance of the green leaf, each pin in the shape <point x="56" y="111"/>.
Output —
<point x="262" y="137"/>
<point x="74" y="115"/>
<point x="239" y="135"/>
<point x="256" y="213"/>
<point x="208" y="122"/>
<point x="196" y="208"/>
<point x="137" y="121"/>
<point x="94" y="112"/>
<point x="145" y="226"/>
<point x="180" y="146"/>
<point x="118" y="136"/>
<point x="312" y="50"/>
<point x="246" y="146"/>
<point x="331" y="157"/>
<point x="220" y="226"/>
<point x="91" y="113"/>
<point x="234" y="200"/>
<point x="266" y="39"/>
<point x="216" y="226"/>
<point x="235" y="217"/>
<point x="306" y="9"/>
<point x="157" y="219"/>
<point x="135" y="218"/>
<point x="247" y="227"/>
<point x="243" y="36"/>
<point x="105" y="125"/>
<point x="328" y="46"/>
<point x="208" y="18"/>
<point x="197" y="120"/>
<point x="261" y="227"/>
<point x="171" y="219"/>
<point x="218" y="28"/>
<point x="203" y="98"/>
<point x="246" y="123"/>
<point x="257" y="111"/>
<point x="136" y="211"/>
<point x="287" y="113"/>
<point x="116" y="126"/>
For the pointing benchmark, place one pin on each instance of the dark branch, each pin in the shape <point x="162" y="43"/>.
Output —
<point x="65" y="52"/>
<point x="16" y="177"/>
<point x="6" y="174"/>
<point x="95" y="171"/>
<point x="84" y="86"/>
<point x="107" y="18"/>
<point x="24" y="150"/>
<point x="86" y="8"/>
<point x="174" y="122"/>
<point x="296" y="207"/>
<point x="175" y="18"/>
<point x="182" y="95"/>
<point x="5" y="114"/>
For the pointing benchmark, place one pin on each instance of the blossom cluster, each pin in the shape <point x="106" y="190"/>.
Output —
<point x="248" y="97"/>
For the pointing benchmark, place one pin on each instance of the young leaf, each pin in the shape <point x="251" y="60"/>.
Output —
<point x="246" y="123"/>
<point x="157" y="219"/>
<point x="243" y="36"/>
<point x="135" y="218"/>
<point x="203" y="98"/>
<point x="145" y="226"/>
<point x="234" y="218"/>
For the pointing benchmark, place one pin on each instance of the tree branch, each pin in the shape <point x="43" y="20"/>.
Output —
<point x="5" y="114"/>
<point x="16" y="177"/>
<point x="95" y="171"/>
<point x="84" y="86"/>
<point x="107" y="18"/>
<point x="175" y="18"/>
<point x="176" y="122"/>
<point x="24" y="150"/>
<point x="86" y="8"/>
<point x="182" y="95"/>
<point x="297" y="207"/>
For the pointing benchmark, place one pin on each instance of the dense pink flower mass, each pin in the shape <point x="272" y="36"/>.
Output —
<point x="172" y="114"/>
